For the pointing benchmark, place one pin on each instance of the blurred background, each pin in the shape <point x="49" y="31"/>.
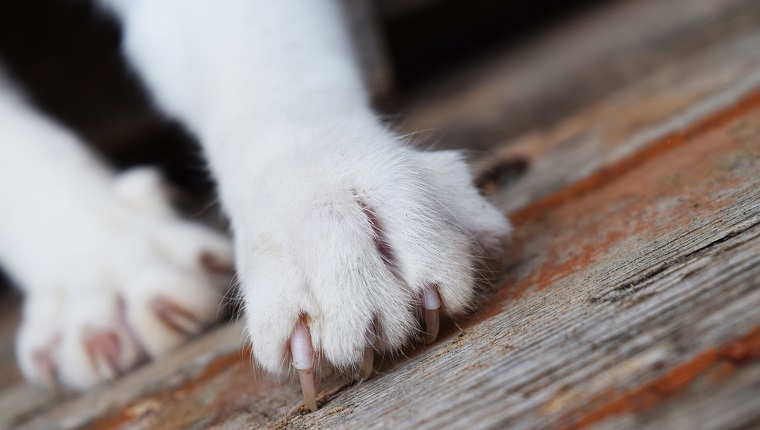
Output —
<point x="66" y="55"/>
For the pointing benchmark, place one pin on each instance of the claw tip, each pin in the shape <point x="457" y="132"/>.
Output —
<point x="302" y="353"/>
<point x="306" y="378"/>
<point x="365" y="372"/>
<point x="432" y="322"/>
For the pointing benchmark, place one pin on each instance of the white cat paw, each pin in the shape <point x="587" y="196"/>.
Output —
<point x="343" y="250"/>
<point x="141" y="283"/>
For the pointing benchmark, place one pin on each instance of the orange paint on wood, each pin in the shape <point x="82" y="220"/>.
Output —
<point x="607" y="174"/>
<point x="555" y="239"/>
<point x="724" y="359"/>
<point x="126" y="413"/>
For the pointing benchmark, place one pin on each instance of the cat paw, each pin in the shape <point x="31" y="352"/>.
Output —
<point x="359" y="250"/>
<point x="140" y="283"/>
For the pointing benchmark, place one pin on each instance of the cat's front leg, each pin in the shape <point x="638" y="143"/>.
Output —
<point x="343" y="235"/>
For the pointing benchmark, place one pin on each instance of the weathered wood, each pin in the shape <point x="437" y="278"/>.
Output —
<point x="540" y="82"/>
<point x="695" y="57"/>
<point x="620" y="299"/>
<point x="606" y="132"/>
<point x="188" y="363"/>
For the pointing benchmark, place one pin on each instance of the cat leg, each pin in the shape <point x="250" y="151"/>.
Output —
<point x="343" y="233"/>
<point x="111" y="275"/>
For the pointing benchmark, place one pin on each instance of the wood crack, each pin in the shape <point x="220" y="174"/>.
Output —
<point x="640" y="282"/>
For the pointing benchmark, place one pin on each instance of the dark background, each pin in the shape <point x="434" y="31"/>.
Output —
<point x="66" y="55"/>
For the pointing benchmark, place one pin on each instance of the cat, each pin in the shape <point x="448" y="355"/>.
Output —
<point x="342" y="233"/>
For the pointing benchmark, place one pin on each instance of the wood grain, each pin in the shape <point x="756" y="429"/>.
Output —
<point x="542" y="106"/>
<point x="620" y="301"/>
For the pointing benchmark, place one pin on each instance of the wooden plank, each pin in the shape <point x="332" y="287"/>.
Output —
<point x="523" y="88"/>
<point x="666" y="103"/>
<point x="542" y="108"/>
<point x="734" y="401"/>
<point x="192" y="362"/>
<point x="645" y="284"/>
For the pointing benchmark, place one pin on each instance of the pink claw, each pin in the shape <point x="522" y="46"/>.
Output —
<point x="46" y="365"/>
<point x="103" y="348"/>
<point x="215" y="265"/>
<point x="431" y="302"/>
<point x="303" y="360"/>
<point x="176" y="317"/>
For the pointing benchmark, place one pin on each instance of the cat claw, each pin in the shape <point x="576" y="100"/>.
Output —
<point x="431" y="302"/>
<point x="103" y="349"/>
<point x="46" y="366"/>
<point x="303" y="360"/>
<point x="176" y="317"/>
<point x="365" y="371"/>
<point x="216" y="265"/>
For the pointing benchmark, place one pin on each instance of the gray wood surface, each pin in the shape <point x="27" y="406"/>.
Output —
<point x="619" y="302"/>
<point x="594" y="92"/>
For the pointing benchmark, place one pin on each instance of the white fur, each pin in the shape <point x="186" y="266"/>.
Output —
<point x="91" y="249"/>
<point x="273" y="91"/>
<point x="307" y="174"/>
